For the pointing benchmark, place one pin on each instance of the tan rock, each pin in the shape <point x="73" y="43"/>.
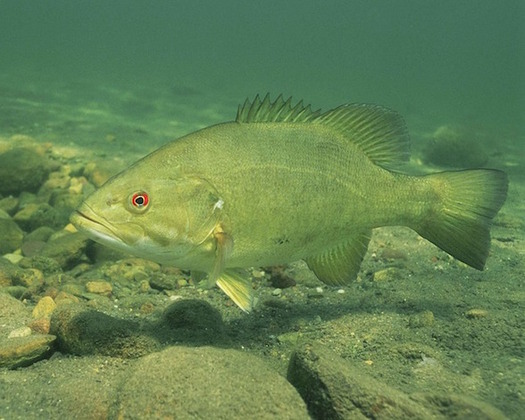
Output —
<point x="99" y="287"/>
<point x="44" y="308"/>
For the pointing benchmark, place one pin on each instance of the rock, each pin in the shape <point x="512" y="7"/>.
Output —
<point x="20" y="332"/>
<point x="163" y="282"/>
<point x="22" y="169"/>
<point x="334" y="388"/>
<point x="44" y="308"/>
<point x="62" y="388"/>
<point x="476" y="313"/>
<point x="386" y="274"/>
<point x="15" y="291"/>
<point x="194" y="322"/>
<point x="31" y="278"/>
<point x="85" y="331"/>
<point x="44" y="264"/>
<point x="35" y="215"/>
<point x="460" y="407"/>
<point x="99" y="287"/>
<point x="421" y="319"/>
<point x="98" y="173"/>
<point x="8" y="272"/>
<point x="66" y="250"/>
<point x="13" y="257"/>
<point x="41" y="234"/>
<point x="40" y="326"/>
<point x="13" y="313"/>
<point x="456" y="148"/>
<point x="207" y="382"/>
<point x="9" y="204"/>
<point x="24" y="351"/>
<point x="32" y="248"/>
<point x="11" y="236"/>
<point x="279" y="279"/>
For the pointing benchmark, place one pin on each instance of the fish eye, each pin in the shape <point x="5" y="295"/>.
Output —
<point x="139" y="200"/>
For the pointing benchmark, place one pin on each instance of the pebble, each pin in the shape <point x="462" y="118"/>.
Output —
<point x="30" y="277"/>
<point x="422" y="319"/>
<point x="9" y="204"/>
<point x="8" y="272"/>
<point x="386" y="274"/>
<point x="476" y="313"/>
<point x="44" y="308"/>
<point x="40" y="326"/>
<point x="31" y="248"/>
<point x="13" y="258"/>
<point x="20" y="332"/>
<point x="99" y="287"/>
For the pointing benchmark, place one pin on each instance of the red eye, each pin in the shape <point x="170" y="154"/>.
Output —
<point x="140" y="200"/>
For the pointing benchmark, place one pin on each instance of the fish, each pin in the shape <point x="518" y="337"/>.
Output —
<point x="283" y="183"/>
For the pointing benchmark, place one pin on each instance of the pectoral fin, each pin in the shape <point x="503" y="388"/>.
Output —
<point x="223" y="248"/>
<point x="339" y="266"/>
<point x="238" y="288"/>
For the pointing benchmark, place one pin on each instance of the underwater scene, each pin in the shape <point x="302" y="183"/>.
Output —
<point x="274" y="209"/>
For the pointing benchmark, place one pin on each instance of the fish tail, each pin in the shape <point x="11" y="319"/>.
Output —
<point x="460" y="221"/>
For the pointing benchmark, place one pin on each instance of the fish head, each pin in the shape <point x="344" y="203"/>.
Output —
<point x="162" y="219"/>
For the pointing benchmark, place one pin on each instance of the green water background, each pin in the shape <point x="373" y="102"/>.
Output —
<point x="75" y="70"/>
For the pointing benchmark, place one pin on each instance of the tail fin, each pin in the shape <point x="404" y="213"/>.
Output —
<point x="460" y="223"/>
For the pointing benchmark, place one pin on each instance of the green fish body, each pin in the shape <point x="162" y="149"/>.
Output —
<point x="281" y="184"/>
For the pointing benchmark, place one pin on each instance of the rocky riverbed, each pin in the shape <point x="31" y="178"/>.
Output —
<point x="86" y="332"/>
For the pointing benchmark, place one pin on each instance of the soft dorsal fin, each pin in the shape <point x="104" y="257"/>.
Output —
<point x="379" y="132"/>
<point x="278" y="111"/>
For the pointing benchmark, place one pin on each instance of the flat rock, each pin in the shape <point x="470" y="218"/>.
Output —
<point x="24" y="351"/>
<point x="334" y="389"/>
<point x="207" y="382"/>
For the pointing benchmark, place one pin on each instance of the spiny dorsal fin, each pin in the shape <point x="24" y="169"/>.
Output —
<point x="379" y="132"/>
<point x="278" y="111"/>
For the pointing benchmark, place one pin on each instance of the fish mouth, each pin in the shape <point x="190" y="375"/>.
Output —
<point x="86" y="221"/>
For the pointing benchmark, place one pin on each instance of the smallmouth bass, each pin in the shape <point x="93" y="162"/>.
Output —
<point x="283" y="183"/>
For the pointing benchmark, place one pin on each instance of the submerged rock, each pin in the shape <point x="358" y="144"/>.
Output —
<point x="11" y="236"/>
<point x="67" y="250"/>
<point x="207" y="382"/>
<point x="24" y="351"/>
<point x="22" y="169"/>
<point x="454" y="148"/>
<point x="85" y="331"/>
<point x="194" y="321"/>
<point x="335" y="389"/>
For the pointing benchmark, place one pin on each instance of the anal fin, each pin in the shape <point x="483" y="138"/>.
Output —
<point x="339" y="265"/>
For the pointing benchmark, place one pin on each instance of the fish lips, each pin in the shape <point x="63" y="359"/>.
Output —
<point x="88" y="222"/>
